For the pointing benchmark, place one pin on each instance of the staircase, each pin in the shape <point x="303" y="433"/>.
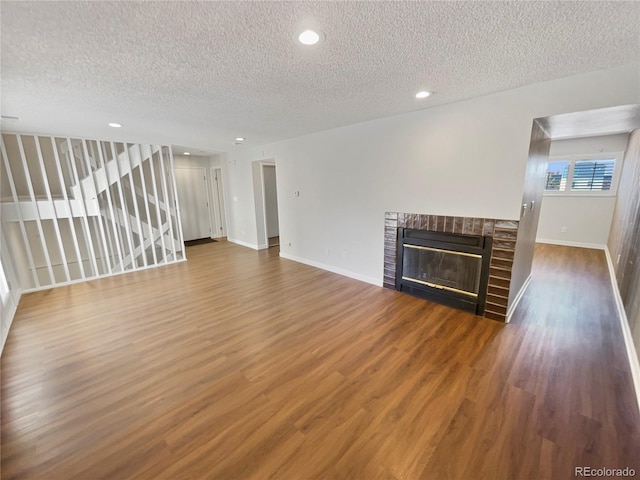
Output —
<point x="109" y="207"/>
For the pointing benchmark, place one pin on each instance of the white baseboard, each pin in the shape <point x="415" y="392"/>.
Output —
<point x="91" y="279"/>
<point x="567" y="243"/>
<point x="244" y="244"/>
<point x="632" y="354"/>
<point x="331" y="268"/>
<point x="10" y="316"/>
<point x="516" y="300"/>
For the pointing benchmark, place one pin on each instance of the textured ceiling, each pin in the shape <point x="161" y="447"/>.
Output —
<point x="202" y="73"/>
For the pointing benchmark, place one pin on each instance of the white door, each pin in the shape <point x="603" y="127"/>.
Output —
<point x="219" y="220"/>
<point x="194" y="206"/>
<point x="270" y="201"/>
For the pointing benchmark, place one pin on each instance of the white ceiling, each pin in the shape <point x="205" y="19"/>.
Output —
<point x="203" y="73"/>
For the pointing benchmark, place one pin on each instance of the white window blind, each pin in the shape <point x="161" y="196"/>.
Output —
<point x="593" y="175"/>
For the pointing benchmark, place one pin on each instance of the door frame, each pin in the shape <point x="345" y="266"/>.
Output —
<point x="264" y="165"/>
<point x="219" y="225"/>
<point x="259" y="201"/>
<point x="207" y="191"/>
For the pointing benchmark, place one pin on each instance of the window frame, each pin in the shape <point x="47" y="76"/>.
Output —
<point x="572" y="159"/>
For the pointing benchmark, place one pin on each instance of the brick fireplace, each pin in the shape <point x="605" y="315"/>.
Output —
<point x="502" y="232"/>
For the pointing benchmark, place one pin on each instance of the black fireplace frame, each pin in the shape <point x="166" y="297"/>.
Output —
<point x="475" y="244"/>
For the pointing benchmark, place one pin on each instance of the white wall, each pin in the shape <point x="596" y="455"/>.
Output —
<point x="587" y="219"/>
<point x="589" y="145"/>
<point x="187" y="161"/>
<point x="467" y="158"/>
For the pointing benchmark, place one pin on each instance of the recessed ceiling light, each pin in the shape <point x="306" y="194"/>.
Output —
<point x="187" y="153"/>
<point x="239" y="139"/>
<point x="422" y="94"/>
<point x="115" y="125"/>
<point x="309" y="37"/>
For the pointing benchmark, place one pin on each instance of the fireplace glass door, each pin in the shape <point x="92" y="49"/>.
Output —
<point x="444" y="269"/>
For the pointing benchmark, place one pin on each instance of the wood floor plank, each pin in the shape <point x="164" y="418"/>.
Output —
<point x="241" y="365"/>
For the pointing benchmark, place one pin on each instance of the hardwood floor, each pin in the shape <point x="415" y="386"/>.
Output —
<point x="240" y="365"/>
<point x="274" y="241"/>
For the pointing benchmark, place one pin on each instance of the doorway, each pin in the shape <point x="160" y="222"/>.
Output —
<point x="191" y="184"/>
<point x="270" y="204"/>
<point x="218" y="217"/>
<point x="538" y="178"/>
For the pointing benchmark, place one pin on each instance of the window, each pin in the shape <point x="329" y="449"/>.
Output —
<point x="557" y="173"/>
<point x="593" y="174"/>
<point x="582" y="175"/>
